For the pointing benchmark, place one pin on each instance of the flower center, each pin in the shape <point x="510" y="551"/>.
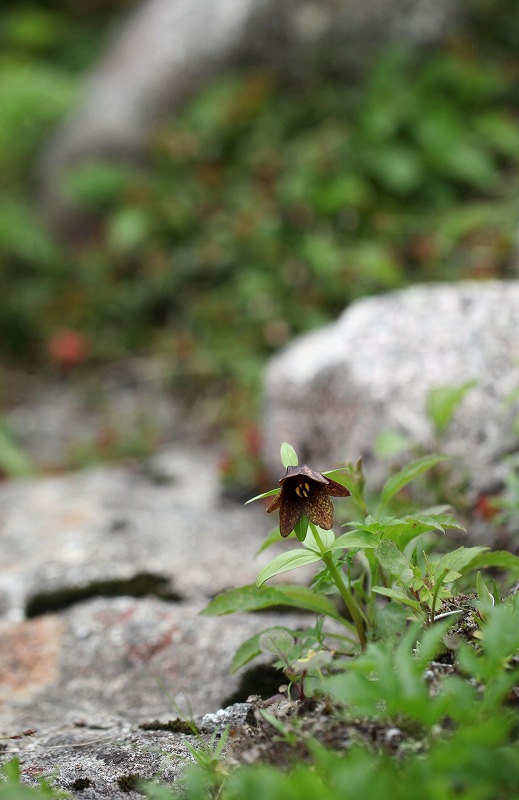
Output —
<point x="303" y="489"/>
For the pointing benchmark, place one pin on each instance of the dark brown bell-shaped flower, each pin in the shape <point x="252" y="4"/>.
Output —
<point x="305" y="491"/>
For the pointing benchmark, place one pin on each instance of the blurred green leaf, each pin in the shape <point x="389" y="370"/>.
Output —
<point x="128" y="229"/>
<point x="288" y="455"/>
<point x="396" y="594"/>
<point x="13" y="459"/>
<point x="23" y="236"/>
<point x="246" y="652"/>
<point x="11" y="787"/>
<point x="408" y="473"/>
<point x="461" y="560"/>
<point x="500" y="559"/>
<point x="500" y="132"/>
<point x="98" y="185"/>
<point x="483" y="591"/>
<point x="33" y="97"/>
<point x="443" y="401"/>
<point x="390" y="443"/>
<point x="398" y="168"/>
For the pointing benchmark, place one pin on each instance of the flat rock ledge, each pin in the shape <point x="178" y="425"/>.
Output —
<point x="104" y="575"/>
<point x="107" y="757"/>
<point x="98" y="759"/>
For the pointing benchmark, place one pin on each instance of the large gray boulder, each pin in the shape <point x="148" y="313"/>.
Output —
<point x="166" y="48"/>
<point x="331" y="392"/>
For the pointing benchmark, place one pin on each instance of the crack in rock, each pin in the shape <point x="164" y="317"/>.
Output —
<point x="142" y="584"/>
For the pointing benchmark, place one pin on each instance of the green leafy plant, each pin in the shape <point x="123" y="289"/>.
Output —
<point x="379" y="556"/>
<point x="13" y="460"/>
<point x="442" y="403"/>
<point x="11" y="787"/>
<point x="205" y="752"/>
<point x="455" y="729"/>
<point x="432" y="666"/>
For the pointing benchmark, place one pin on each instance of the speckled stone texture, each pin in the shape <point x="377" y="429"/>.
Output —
<point x="102" y="758"/>
<point x="332" y="391"/>
<point x="103" y="574"/>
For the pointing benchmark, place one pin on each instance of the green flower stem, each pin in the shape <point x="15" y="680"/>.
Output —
<point x="345" y="593"/>
<point x="435" y="595"/>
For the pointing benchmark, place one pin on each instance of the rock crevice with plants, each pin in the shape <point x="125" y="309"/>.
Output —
<point x="403" y="653"/>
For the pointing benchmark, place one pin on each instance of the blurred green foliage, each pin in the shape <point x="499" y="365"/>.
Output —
<point x="265" y="208"/>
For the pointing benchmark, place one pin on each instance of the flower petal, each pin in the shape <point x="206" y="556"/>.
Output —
<point x="319" y="508"/>
<point x="305" y="471"/>
<point x="274" y="505"/>
<point x="336" y="489"/>
<point x="289" y="513"/>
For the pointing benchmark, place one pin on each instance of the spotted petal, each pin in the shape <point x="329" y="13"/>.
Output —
<point x="319" y="508"/>
<point x="289" y="513"/>
<point x="336" y="489"/>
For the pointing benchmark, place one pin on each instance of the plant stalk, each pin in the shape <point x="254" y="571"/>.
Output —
<point x="345" y="593"/>
<point x="435" y="595"/>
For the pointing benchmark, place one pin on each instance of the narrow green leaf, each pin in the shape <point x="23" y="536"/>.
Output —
<point x="461" y="560"/>
<point x="252" y="598"/>
<point x="284" y="562"/>
<point x="496" y="558"/>
<point x="355" y="539"/>
<point x="274" y="722"/>
<point x="302" y="597"/>
<point x="389" y="443"/>
<point x="246" y="652"/>
<point x="261" y="496"/>
<point x="394" y="594"/>
<point x="431" y="641"/>
<point x="273" y="537"/>
<point x="288" y="455"/>
<point x="301" y="528"/>
<point x="484" y="593"/>
<point x="442" y="402"/>
<point x="407" y="474"/>
<point x="11" y="787"/>
<point x="339" y="475"/>
<point x="13" y="460"/>
<point x="244" y="598"/>
<point x="11" y="769"/>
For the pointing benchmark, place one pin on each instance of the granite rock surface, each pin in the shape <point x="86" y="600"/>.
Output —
<point x="104" y="574"/>
<point x="332" y="392"/>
